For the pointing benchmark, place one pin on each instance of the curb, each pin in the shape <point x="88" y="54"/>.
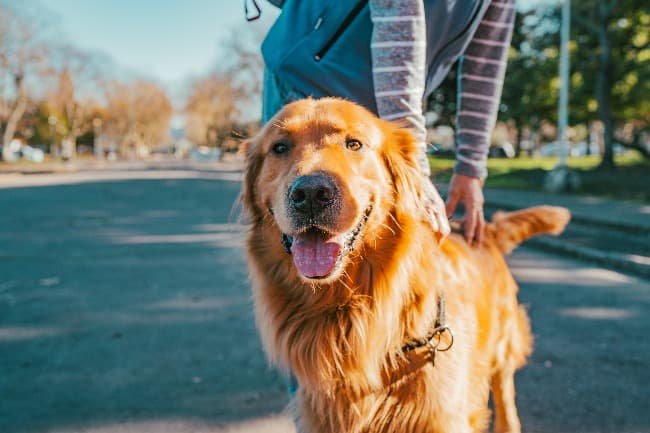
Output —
<point x="229" y="165"/>
<point x="617" y="262"/>
<point x="36" y="172"/>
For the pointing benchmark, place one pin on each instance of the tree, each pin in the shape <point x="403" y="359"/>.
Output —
<point x="229" y="97"/>
<point x="246" y="68"/>
<point x="22" y="57"/>
<point x="137" y="116"/>
<point x="617" y="32"/>
<point x="71" y="101"/>
<point x="212" y="109"/>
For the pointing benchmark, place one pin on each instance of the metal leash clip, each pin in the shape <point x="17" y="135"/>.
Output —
<point x="436" y="339"/>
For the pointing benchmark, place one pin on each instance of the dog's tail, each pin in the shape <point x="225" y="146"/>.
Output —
<point x="509" y="229"/>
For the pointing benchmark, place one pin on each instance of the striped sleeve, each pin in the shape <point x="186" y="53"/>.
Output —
<point x="398" y="48"/>
<point x="481" y="73"/>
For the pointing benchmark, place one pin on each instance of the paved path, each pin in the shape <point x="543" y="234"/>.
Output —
<point x="124" y="307"/>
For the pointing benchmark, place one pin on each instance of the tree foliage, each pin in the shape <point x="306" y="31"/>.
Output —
<point x="137" y="116"/>
<point x="22" y="61"/>
<point x="228" y="97"/>
<point x="212" y="109"/>
<point x="53" y="93"/>
<point x="612" y="69"/>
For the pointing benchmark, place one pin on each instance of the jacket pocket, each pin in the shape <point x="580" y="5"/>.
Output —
<point x="340" y="29"/>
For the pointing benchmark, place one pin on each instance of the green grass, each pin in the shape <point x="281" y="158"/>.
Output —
<point x="631" y="179"/>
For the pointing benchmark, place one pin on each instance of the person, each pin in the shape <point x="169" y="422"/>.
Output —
<point x="389" y="56"/>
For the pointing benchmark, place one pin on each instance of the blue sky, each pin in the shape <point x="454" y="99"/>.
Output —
<point x="164" y="39"/>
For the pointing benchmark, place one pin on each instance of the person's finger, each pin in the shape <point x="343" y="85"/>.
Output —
<point x="480" y="227"/>
<point x="470" y="222"/>
<point x="452" y="202"/>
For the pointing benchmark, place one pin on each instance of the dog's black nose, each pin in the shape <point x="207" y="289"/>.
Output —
<point x="312" y="193"/>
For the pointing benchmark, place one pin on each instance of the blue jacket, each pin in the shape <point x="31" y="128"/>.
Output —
<point x="322" y="47"/>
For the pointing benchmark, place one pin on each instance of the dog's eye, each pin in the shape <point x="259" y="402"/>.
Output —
<point x="353" y="145"/>
<point x="280" y="148"/>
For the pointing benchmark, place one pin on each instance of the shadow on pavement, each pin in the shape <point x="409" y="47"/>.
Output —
<point x="125" y="302"/>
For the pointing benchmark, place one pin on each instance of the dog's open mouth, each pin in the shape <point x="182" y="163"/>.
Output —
<point x="317" y="253"/>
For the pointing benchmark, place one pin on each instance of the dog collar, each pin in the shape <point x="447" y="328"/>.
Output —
<point x="420" y="352"/>
<point x="433" y="342"/>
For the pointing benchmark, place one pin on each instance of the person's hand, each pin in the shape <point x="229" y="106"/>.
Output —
<point x="468" y="191"/>
<point x="435" y="207"/>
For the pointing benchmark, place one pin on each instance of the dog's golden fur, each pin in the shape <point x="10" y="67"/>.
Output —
<point x="342" y="335"/>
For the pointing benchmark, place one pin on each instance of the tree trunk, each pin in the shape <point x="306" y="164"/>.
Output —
<point x="603" y="87"/>
<point x="70" y="147"/>
<point x="12" y="124"/>
<point x="520" y="136"/>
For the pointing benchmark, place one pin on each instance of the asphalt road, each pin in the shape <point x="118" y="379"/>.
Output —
<point x="124" y="307"/>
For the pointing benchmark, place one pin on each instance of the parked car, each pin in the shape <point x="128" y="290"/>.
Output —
<point x="504" y="149"/>
<point x="204" y="153"/>
<point x="12" y="152"/>
<point x="554" y="148"/>
<point x="582" y="148"/>
<point x="33" y="154"/>
<point x="576" y="149"/>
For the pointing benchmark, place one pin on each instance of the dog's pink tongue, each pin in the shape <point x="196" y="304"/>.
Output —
<point x="314" y="254"/>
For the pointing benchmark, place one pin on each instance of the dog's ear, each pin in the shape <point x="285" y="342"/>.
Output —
<point x="415" y="195"/>
<point x="400" y="160"/>
<point x="252" y="166"/>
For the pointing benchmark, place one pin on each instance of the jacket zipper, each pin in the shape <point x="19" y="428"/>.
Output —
<point x="339" y="31"/>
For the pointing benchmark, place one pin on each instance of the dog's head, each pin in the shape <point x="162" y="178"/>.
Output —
<point x="325" y="177"/>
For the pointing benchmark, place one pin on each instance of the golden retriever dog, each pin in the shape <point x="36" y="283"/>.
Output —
<point x="386" y="326"/>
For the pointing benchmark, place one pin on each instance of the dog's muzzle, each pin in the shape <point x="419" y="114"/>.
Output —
<point x="317" y="254"/>
<point x="313" y="204"/>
